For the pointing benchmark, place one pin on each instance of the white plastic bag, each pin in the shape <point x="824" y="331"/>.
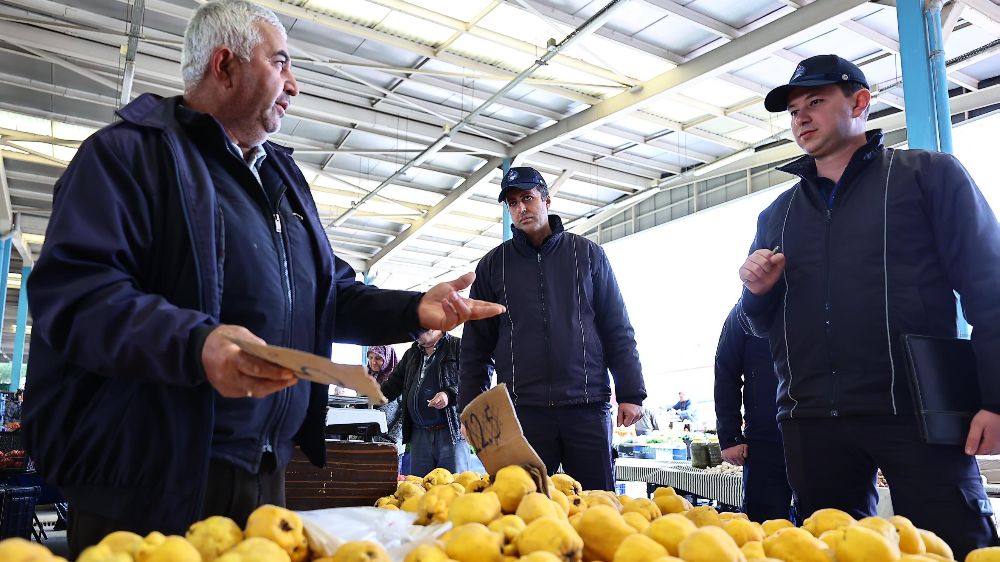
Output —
<point x="327" y="529"/>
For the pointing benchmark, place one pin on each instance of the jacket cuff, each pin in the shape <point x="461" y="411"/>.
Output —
<point x="755" y="305"/>
<point x="196" y="343"/>
<point x="995" y="408"/>
<point x="728" y="441"/>
<point x="411" y="317"/>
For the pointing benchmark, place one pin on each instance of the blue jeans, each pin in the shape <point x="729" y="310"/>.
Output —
<point x="434" y="449"/>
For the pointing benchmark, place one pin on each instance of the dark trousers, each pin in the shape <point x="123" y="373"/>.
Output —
<point x="576" y="437"/>
<point x="766" y="493"/>
<point x="832" y="462"/>
<point x="230" y="491"/>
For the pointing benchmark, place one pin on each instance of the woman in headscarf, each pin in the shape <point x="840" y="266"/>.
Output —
<point x="382" y="361"/>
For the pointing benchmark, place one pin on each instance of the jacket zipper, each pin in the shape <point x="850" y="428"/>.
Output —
<point x="284" y="396"/>
<point x="827" y="311"/>
<point x="545" y="317"/>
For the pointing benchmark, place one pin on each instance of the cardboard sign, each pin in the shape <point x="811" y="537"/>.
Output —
<point x="317" y="369"/>
<point x="492" y="427"/>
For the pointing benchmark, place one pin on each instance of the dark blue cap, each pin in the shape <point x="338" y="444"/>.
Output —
<point x="820" y="70"/>
<point x="522" y="177"/>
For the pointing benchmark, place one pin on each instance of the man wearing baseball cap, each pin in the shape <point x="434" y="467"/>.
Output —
<point x="565" y="327"/>
<point x="870" y="244"/>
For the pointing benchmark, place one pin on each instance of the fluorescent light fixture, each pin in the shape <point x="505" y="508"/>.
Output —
<point x="722" y="162"/>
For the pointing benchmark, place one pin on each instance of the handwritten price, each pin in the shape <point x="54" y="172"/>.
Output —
<point x="483" y="428"/>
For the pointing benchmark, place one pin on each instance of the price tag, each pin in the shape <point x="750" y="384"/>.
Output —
<point x="317" y="369"/>
<point x="492" y="427"/>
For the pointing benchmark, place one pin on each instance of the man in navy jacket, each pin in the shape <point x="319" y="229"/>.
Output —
<point x="873" y="244"/>
<point x="566" y="326"/>
<point x="744" y="367"/>
<point x="173" y="230"/>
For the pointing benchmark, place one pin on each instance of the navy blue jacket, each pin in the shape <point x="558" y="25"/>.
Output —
<point x="565" y="325"/>
<point x="905" y="229"/>
<point x="407" y="372"/>
<point x="743" y="366"/>
<point x="120" y="416"/>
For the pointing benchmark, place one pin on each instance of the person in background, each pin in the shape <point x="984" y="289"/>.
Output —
<point x="382" y="360"/>
<point x="566" y="327"/>
<point x="174" y="231"/>
<point x="647" y="422"/>
<point x="682" y="407"/>
<point x="12" y="407"/>
<point x="872" y="243"/>
<point x="426" y="382"/>
<point x="745" y="376"/>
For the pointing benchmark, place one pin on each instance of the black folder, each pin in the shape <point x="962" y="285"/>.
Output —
<point x="946" y="394"/>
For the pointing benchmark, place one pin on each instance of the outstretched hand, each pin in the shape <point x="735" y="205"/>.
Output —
<point x="442" y="308"/>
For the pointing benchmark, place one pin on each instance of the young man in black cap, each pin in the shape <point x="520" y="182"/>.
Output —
<point x="566" y="326"/>
<point x="873" y="242"/>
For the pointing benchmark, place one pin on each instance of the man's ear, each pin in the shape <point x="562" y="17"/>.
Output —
<point x="221" y="66"/>
<point x="548" y="201"/>
<point x="862" y="102"/>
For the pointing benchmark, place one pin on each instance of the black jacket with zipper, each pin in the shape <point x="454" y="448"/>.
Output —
<point x="565" y="325"/>
<point x="407" y="373"/>
<point x="905" y="229"/>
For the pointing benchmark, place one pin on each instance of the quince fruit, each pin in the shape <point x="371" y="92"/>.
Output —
<point x="710" y="544"/>
<point x="122" y="541"/>
<point x="474" y="508"/>
<point x="21" y="550"/>
<point x="935" y="544"/>
<point x="567" y="484"/>
<point x="671" y="503"/>
<point x="438" y="477"/>
<point x="826" y="519"/>
<point x="670" y="530"/>
<point x="214" y="536"/>
<point x="797" y="545"/>
<point x="643" y="506"/>
<point x="772" y="526"/>
<point x="988" y="554"/>
<point x="433" y="506"/>
<point x="743" y="531"/>
<point x="551" y="534"/>
<point x="172" y="549"/>
<point x="704" y="516"/>
<point x="283" y="527"/>
<point x="603" y="530"/>
<point x="255" y="549"/>
<point x="909" y="537"/>
<point x="536" y="504"/>
<point x="474" y="542"/>
<point x="360" y="551"/>
<point x="856" y="543"/>
<point x="639" y="548"/>
<point x="510" y="485"/>
<point x="753" y="550"/>
<point x="636" y="520"/>
<point x="426" y="553"/>
<point x="101" y="553"/>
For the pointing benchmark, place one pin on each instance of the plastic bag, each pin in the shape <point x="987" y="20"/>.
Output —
<point x="327" y="529"/>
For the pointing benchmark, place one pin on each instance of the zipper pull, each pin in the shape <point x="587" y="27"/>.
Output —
<point x="277" y="223"/>
<point x="539" y="257"/>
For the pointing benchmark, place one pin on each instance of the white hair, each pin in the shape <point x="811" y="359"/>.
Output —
<point x="223" y="23"/>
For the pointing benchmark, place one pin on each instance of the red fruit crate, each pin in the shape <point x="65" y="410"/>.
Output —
<point x="17" y="510"/>
<point x="13" y="459"/>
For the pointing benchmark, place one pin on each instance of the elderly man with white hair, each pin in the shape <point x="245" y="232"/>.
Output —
<point x="174" y="230"/>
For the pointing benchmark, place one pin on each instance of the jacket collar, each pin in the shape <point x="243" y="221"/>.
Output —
<point x="151" y="110"/>
<point x="521" y="239"/>
<point x="805" y="167"/>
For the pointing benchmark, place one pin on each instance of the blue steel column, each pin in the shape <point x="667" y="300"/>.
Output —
<point x="4" y="273"/>
<point x="22" y="321"/>
<point x="918" y="86"/>
<point x="507" y="221"/>
<point x="925" y="86"/>
<point x="364" y="348"/>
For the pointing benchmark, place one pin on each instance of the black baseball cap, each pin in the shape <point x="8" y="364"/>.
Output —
<point x="521" y="177"/>
<point x="820" y="70"/>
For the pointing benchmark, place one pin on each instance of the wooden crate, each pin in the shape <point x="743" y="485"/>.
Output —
<point x="356" y="474"/>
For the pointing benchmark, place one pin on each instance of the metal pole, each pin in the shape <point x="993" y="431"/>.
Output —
<point x="918" y="87"/>
<point x="5" y="273"/>
<point x="22" y="321"/>
<point x="939" y="75"/>
<point x="364" y="348"/>
<point x="508" y="222"/>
